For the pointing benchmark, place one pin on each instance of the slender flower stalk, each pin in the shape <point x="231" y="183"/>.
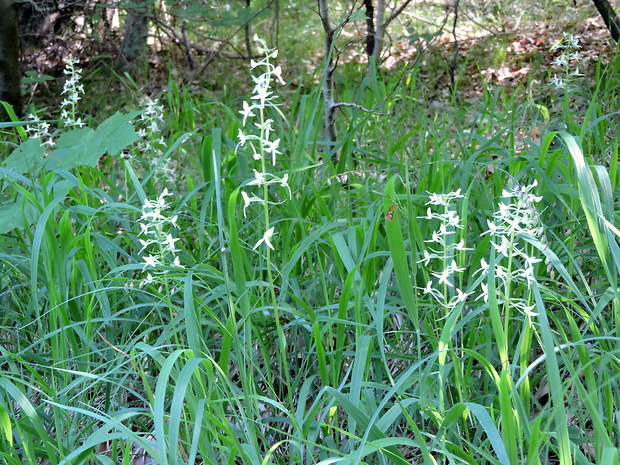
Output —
<point x="515" y="220"/>
<point x="569" y="56"/>
<point x="158" y="244"/>
<point x="442" y="250"/>
<point x="72" y="90"/>
<point x="153" y="145"/>
<point x="258" y="140"/>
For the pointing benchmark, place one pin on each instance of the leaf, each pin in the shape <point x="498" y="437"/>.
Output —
<point x="11" y="113"/>
<point x="11" y="217"/>
<point x="238" y="18"/>
<point x="116" y="132"/>
<point x="34" y="78"/>
<point x="73" y="148"/>
<point x="358" y="15"/>
<point x="25" y="157"/>
<point x="495" y="437"/>
<point x="17" y="215"/>
<point x="5" y="425"/>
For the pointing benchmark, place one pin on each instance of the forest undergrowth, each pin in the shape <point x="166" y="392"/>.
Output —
<point x="210" y="282"/>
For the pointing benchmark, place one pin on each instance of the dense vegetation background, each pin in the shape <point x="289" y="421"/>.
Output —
<point x="277" y="232"/>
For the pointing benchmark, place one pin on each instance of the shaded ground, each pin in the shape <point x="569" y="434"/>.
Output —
<point x="492" y="49"/>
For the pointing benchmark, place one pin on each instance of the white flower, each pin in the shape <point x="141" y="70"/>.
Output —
<point x="247" y="200"/>
<point x="272" y="148"/>
<point x="169" y="243"/>
<point x="434" y="199"/>
<point x="443" y="199"/>
<point x="150" y="260"/>
<point x="444" y="277"/>
<point x="461" y="246"/>
<point x="434" y="292"/>
<point x="247" y="112"/>
<point x="527" y="310"/>
<point x="570" y="41"/>
<point x="145" y="244"/>
<point x="72" y="89"/>
<point x="437" y="237"/>
<point x="485" y="293"/>
<point x="503" y="248"/>
<point x="261" y="93"/>
<point x="558" y="82"/>
<point x="561" y="60"/>
<point x="454" y="268"/>
<point x="242" y="139"/>
<point x="461" y="296"/>
<point x="484" y="266"/>
<point x="277" y="72"/>
<point x="284" y="183"/>
<point x="453" y="219"/>
<point x="259" y="179"/>
<point x="427" y="258"/>
<point x="443" y="230"/>
<point x="266" y="239"/>
<point x="429" y="214"/>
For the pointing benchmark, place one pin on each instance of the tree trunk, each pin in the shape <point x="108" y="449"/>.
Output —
<point x="9" y="57"/>
<point x="379" y="32"/>
<point x="609" y="16"/>
<point x="248" y="43"/>
<point x="328" y="82"/>
<point x="135" y="45"/>
<point x="370" y="28"/>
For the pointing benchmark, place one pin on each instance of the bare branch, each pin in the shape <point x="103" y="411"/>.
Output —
<point x="361" y="108"/>
<point x="395" y="13"/>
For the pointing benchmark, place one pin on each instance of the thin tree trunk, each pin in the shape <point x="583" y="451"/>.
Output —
<point x="379" y="32"/>
<point x="370" y="28"/>
<point x="135" y="45"/>
<point x="328" y="80"/>
<point x="455" y="55"/>
<point x="248" y="43"/>
<point x="609" y="16"/>
<point x="9" y="57"/>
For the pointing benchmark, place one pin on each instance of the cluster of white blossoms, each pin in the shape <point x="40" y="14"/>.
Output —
<point x="258" y="139"/>
<point x="515" y="220"/>
<point x="444" y="250"/>
<point x="158" y="244"/>
<point x="569" y="45"/>
<point x="152" y="144"/>
<point x="72" y="90"/>
<point x="40" y="131"/>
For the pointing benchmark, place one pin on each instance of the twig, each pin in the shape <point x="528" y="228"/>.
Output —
<point x="359" y="107"/>
<point x="452" y="67"/>
<point x="188" y="51"/>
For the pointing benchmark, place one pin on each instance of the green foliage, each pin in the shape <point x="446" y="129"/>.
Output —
<point x="346" y="343"/>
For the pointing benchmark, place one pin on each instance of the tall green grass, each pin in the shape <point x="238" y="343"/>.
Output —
<point x="328" y="351"/>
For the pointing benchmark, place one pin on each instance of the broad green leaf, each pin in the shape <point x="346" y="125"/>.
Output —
<point x="16" y="215"/>
<point x="11" y="217"/>
<point x="25" y="157"/>
<point x="73" y="148"/>
<point x="116" y="132"/>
